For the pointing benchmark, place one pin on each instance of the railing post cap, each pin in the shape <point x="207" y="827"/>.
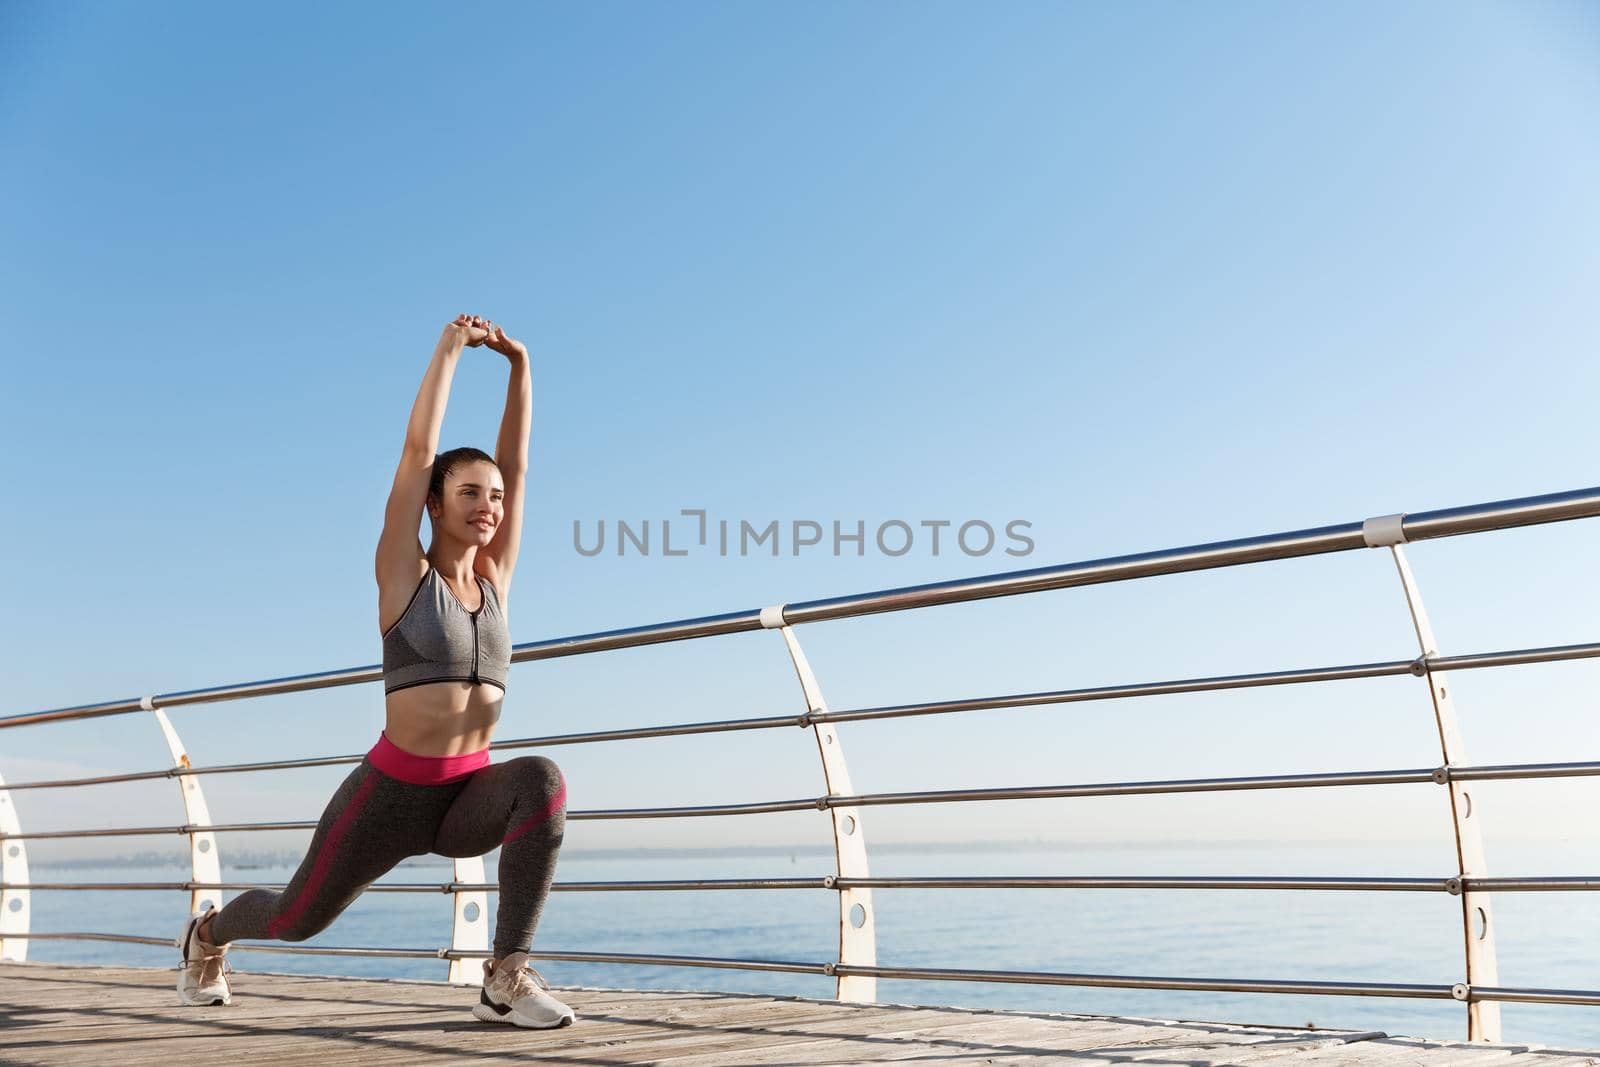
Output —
<point x="1384" y="530"/>
<point x="772" y="617"/>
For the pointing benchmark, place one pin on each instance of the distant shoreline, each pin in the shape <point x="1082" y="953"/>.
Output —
<point x="291" y="857"/>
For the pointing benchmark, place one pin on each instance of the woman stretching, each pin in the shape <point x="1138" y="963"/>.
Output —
<point x="427" y="785"/>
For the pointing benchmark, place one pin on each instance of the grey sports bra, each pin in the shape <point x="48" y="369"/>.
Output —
<point x="438" y="640"/>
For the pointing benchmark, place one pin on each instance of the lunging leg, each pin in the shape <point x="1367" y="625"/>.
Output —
<point x="520" y="805"/>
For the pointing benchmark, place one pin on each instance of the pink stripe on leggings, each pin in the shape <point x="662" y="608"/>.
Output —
<point x="549" y="809"/>
<point x="330" y="847"/>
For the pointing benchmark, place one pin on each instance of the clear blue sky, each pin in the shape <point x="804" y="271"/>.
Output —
<point x="1141" y="275"/>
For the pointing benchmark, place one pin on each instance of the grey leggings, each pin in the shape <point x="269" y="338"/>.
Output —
<point x="375" y="821"/>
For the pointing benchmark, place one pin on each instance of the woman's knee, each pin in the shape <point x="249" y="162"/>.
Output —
<point x="539" y="776"/>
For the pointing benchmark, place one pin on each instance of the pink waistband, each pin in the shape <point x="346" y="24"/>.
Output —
<point x="396" y="762"/>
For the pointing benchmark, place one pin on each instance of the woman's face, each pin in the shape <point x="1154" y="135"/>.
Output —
<point x="473" y="504"/>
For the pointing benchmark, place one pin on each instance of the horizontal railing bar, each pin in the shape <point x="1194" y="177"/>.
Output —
<point x="1190" y="785"/>
<point x="1176" y="785"/>
<point x="130" y="886"/>
<point x="636" y="636"/>
<point x="98" y="779"/>
<point x="676" y="730"/>
<point x="304" y="950"/>
<point x="1042" y="792"/>
<point x="143" y="831"/>
<point x="81" y="711"/>
<point x="1118" y="692"/>
<point x="392" y="887"/>
<point x="1549" y="654"/>
<point x="1119" y="981"/>
<point x="819" y="882"/>
<point x="1408" y="885"/>
<point x="1209" y="785"/>
<point x="1571" y="883"/>
<point x="174" y="772"/>
<point x="657" y="960"/>
<point x="272" y="765"/>
<point x="1386" y="668"/>
<point x="168" y="942"/>
<point x="1411" y="776"/>
<point x="130" y="831"/>
<point x="700" y="811"/>
<point x="1450" y="884"/>
<point x="1476" y="518"/>
<point x="1535" y="996"/>
<point x="1514" y="771"/>
<point x="293" y="684"/>
<point x="1502" y="515"/>
<point x="841" y="884"/>
<point x="458" y="954"/>
<point x="325" y="761"/>
<point x="1110" y="981"/>
<point x="130" y="939"/>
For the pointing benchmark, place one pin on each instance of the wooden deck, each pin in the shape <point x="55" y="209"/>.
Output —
<point x="61" y="1014"/>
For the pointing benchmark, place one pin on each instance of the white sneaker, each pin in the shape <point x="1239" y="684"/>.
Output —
<point x="203" y="975"/>
<point x="513" y="992"/>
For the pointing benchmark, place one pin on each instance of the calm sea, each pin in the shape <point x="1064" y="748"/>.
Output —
<point x="1546" y="940"/>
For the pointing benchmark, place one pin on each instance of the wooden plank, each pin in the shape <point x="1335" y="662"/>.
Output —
<point x="1273" y="1053"/>
<point x="831" y="1046"/>
<point x="730" y="1026"/>
<point x="1394" y="1050"/>
<point x="1237" y="1044"/>
<point x="786" y="1030"/>
<point x="998" y="1034"/>
<point x="1003" y="1037"/>
<point x="969" y="1034"/>
<point x="1558" y="1058"/>
<point x="1467" y="1054"/>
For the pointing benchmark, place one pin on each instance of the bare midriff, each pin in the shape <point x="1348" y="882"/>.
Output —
<point x="443" y="718"/>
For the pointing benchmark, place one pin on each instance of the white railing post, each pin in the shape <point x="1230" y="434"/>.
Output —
<point x="15" y="905"/>
<point x="1477" y="918"/>
<point x="858" y="942"/>
<point x="469" y="931"/>
<point x="205" y="865"/>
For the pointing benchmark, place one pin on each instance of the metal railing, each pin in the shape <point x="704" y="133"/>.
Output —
<point x="856" y="970"/>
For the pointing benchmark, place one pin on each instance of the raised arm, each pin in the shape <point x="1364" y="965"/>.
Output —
<point x="499" y="557"/>
<point x="400" y="551"/>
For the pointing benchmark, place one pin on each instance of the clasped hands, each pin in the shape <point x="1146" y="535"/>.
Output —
<point x="476" y="330"/>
